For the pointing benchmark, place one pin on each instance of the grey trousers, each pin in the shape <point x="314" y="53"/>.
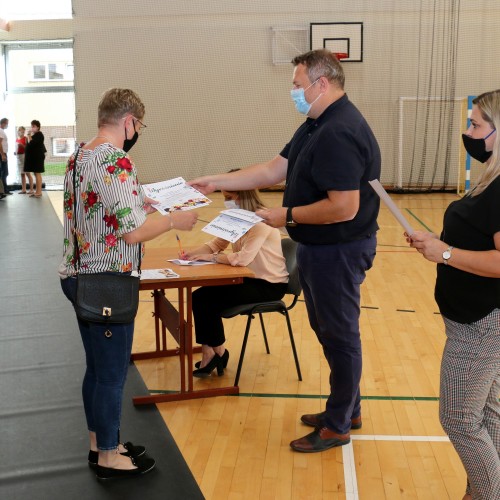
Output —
<point x="469" y="409"/>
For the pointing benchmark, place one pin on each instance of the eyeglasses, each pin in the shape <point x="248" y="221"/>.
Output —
<point x="142" y="125"/>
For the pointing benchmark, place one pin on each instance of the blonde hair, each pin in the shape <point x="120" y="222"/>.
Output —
<point x="489" y="106"/>
<point x="116" y="103"/>
<point x="248" y="199"/>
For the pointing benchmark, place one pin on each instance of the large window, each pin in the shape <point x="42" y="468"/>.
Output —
<point x="39" y="86"/>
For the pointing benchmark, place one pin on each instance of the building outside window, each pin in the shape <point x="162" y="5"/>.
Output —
<point x="39" y="86"/>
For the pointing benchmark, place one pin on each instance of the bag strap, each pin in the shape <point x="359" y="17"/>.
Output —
<point x="76" y="251"/>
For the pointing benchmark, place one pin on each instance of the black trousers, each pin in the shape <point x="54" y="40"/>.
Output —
<point x="210" y="301"/>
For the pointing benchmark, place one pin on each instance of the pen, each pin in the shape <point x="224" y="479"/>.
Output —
<point x="179" y="243"/>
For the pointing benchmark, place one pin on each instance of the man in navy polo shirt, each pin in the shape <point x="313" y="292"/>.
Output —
<point x="331" y="211"/>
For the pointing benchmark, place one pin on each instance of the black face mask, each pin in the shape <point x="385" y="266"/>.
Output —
<point x="129" y="143"/>
<point x="477" y="147"/>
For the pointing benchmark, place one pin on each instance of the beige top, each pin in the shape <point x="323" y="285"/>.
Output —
<point x="259" y="250"/>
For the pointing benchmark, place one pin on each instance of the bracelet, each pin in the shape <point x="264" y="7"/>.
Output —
<point x="214" y="257"/>
<point x="171" y="222"/>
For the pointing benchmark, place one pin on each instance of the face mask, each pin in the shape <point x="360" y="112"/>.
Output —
<point x="299" y="98"/>
<point x="129" y="143"/>
<point x="477" y="147"/>
<point x="230" y="204"/>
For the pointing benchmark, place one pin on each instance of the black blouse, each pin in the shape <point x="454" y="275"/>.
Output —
<point x="470" y="224"/>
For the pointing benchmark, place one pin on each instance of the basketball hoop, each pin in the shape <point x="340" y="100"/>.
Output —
<point x="341" y="55"/>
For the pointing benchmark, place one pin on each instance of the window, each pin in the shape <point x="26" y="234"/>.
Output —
<point x="63" y="146"/>
<point x="52" y="71"/>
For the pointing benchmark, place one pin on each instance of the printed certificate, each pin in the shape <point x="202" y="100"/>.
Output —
<point x="175" y="194"/>
<point x="232" y="224"/>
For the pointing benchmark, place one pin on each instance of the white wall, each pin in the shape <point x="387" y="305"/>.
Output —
<point x="213" y="98"/>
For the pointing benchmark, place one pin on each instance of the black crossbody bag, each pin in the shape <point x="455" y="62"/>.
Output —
<point x="104" y="297"/>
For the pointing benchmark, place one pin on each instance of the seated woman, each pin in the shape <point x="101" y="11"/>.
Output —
<point x="259" y="250"/>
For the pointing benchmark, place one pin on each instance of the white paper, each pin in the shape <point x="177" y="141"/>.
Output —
<point x="232" y="224"/>
<point x="158" y="274"/>
<point x="244" y="215"/>
<point x="379" y="189"/>
<point x="181" y="262"/>
<point x="175" y="194"/>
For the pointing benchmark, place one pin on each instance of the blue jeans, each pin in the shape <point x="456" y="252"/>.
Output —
<point x="107" y="360"/>
<point x="331" y="277"/>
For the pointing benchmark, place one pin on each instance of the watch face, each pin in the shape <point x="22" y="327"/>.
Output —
<point x="446" y="254"/>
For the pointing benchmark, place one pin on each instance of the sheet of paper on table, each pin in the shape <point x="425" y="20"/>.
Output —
<point x="181" y="262"/>
<point x="158" y="274"/>
<point x="232" y="224"/>
<point x="175" y="194"/>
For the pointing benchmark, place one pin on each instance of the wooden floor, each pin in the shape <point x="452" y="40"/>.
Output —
<point x="238" y="447"/>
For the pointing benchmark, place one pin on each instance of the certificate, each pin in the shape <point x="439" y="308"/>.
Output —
<point x="379" y="189"/>
<point x="232" y="224"/>
<point x="175" y="194"/>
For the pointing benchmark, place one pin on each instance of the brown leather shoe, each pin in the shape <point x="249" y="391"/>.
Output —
<point x="320" y="440"/>
<point x="318" y="420"/>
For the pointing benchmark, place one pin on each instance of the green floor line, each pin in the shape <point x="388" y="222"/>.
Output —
<point x="418" y="220"/>
<point x="315" y="396"/>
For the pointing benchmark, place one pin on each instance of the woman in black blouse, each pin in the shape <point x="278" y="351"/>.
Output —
<point x="34" y="156"/>
<point x="468" y="295"/>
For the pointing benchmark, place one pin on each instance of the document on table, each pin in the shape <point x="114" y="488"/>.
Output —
<point x="232" y="224"/>
<point x="181" y="262"/>
<point x="379" y="189"/>
<point x="175" y="194"/>
<point x="158" y="274"/>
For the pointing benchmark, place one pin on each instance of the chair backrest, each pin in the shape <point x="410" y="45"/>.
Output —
<point x="289" y="248"/>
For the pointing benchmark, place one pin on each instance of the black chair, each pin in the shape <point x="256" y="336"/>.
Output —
<point x="289" y="251"/>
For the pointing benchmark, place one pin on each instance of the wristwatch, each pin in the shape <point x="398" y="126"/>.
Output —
<point x="289" y="218"/>
<point x="447" y="255"/>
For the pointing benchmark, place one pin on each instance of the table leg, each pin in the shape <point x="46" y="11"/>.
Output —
<point x="180" y="324"/>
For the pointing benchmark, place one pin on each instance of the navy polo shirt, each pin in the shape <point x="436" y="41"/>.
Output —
<point x="335" y="152"/>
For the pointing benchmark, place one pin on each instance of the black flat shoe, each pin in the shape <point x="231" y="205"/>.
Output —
<point x="144" y="465"/>
<point x="132" y="452"/>
<point x="216" y="362"/>
<point x="225" y="359"/>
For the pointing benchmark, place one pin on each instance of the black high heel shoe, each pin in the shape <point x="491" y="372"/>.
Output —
<point x="224" y="357"/>
<point x="216" y="362"/>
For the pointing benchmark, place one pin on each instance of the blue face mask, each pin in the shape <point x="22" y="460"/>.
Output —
<point x="299" y="98"/>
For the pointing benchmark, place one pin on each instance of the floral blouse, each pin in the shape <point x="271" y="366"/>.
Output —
<point x="110" y="204"/>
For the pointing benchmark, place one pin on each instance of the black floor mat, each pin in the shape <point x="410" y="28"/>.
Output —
<point x="43" y="438"/>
